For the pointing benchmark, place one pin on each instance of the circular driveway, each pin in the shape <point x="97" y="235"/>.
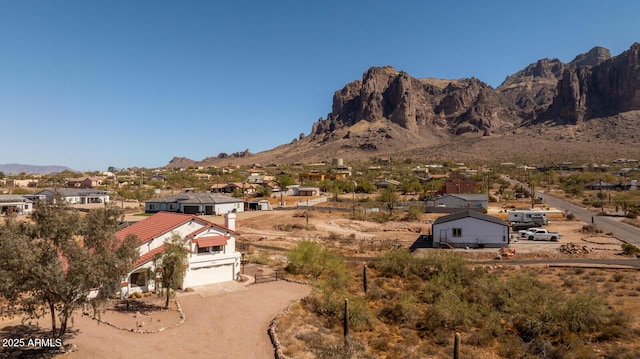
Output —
<point x="227" y="324"/>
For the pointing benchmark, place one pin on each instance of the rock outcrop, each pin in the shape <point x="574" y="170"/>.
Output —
<point x="554" y="104"/>
<point x="592" y="85"/>
<point x="596" y="85"/>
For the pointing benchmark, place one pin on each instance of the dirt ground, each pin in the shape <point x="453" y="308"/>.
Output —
<point x="228" y="325"/>
<point x="359" y="238"/>
<point x="234" y="325"/>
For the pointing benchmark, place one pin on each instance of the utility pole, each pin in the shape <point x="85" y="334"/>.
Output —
<point x="533" y="195"/>
<point x="600" y="184"/>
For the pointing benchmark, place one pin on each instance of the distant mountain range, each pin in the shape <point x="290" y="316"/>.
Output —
<point x="587" y="109"/>
<point x="15" y="168"/>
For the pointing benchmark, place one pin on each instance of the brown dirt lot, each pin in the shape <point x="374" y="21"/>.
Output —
<point x="232" y="325"/>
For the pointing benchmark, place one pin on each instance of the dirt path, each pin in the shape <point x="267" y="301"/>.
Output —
<point x="232" y="325"/>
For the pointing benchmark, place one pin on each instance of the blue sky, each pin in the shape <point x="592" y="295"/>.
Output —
<point x="92" y="84"/>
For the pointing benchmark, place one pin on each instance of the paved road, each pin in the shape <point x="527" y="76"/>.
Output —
<point x="622" y="231"/>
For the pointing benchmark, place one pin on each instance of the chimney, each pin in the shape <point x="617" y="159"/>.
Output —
<point x="230" y="221"/>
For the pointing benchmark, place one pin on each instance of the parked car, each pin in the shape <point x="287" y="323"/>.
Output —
<point x="541" y="234"/>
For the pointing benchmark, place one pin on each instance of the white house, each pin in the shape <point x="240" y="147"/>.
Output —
<point x="195" y="203"/>
<point x="212" y="256"/>
<point x="470" y="228"/>
<point x="76" y="195"/>
<point x="463" y="201"/>
<point x="11" y="203"/>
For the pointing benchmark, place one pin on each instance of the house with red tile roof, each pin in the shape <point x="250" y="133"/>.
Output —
<point x="212" y="256"/>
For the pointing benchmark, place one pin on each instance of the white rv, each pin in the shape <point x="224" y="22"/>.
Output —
<point x="523" y="216"/>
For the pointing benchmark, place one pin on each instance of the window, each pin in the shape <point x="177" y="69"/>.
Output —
<point x="210" y="250"/>
<point x="457" y="232"/>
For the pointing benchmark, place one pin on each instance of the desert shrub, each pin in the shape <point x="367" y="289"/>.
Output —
<point x="511" y="347"/>
<point x="289" y="227"/>
<point x="359" y="314"/>
<point x="629" y="249"/>
<point x="570" y="217"/>
<point x="261" y="257"/>
<point x="616" y="327"/>
<point x="303" y="214"/>
<point x="622" y="352"/>
<point x="481" y="338"/>
<point x="400" y="311"/>
<point x="591" y="228"/>
<point x="617" y="277"/>
<point x="413" y="213"/>
<point x="379" y="217"/>
<point x="583" y="312"/>
<point x="347" y="348"/>
<point x="394" y="263"/>
<point x="311" y="258"/>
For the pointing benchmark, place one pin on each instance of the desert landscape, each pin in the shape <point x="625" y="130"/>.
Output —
<point x="266" y="236"/>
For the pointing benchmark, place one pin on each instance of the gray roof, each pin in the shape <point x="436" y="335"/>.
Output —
<point x="472" y="214"/>
<point x="70" y="192"/>
<point x="470" y="197"/>
<point x="201" y="197"/>
<point x="8" y="198"/>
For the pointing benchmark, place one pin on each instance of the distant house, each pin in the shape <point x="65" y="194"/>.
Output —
<point x="231" y="187"/>
<point x="85" y="182"/>
<point x="259" y="179"/>
<point x="195" y="203"/>
<point x="460" y="185"/>
<point x="470" y="229"/>
<point x="212" y="256"/>
<point x="21" y="182"/>
<point x="10" y="203"/>
<point x="607" y="186"/>
<point x="386" y="183"/>
<point x="463" y="201"/>
<point x="306" y="191"/>
<point x="75" y="195"/>
<point x="261" y="205"/>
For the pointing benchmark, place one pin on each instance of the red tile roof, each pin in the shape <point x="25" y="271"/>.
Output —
<point x="211" y="241"/>
<point x="148" y="256"/>
<point x="156" y="225"/>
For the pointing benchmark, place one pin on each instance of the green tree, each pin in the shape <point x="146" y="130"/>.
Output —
<point x="411" y="186"/>
<point x="283" y="181"/>
<point x="51" y="265"/>
<point x="170" y="264"/>
<point x="311" y="258"/>
<point x="20" y="191"/>
<point x="365" y="186"/>
<point x="389" y="197"/>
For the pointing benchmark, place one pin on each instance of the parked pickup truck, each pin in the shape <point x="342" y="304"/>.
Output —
<point x="539" y="234"/>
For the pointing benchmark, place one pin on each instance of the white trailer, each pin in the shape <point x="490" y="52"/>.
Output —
<point x="523" y="216"/>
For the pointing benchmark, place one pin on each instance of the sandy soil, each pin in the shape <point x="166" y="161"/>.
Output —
<point x="232" y="325"/>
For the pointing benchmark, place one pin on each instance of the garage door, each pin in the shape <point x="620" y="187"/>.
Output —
<point x="191" y="209"/>
<point x="208" y="275"/>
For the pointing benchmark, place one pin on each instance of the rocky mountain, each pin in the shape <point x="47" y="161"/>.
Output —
<point x="389" y="112"/>
<point x="14" y="168"/>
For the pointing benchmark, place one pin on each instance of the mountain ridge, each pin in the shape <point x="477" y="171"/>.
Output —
<point x="388" y="112"/>
<point x="16" y="168"/>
